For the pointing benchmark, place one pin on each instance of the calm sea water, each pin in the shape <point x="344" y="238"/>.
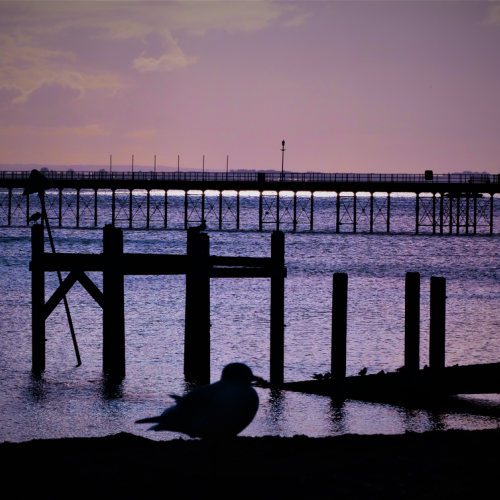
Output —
<point x="67" y="401"/>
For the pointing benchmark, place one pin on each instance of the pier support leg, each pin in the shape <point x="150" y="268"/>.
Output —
<point x="203" y="205"/>
<point x="337" y="225"/>
<point x="130" y="209"/>
<point x="260" y="211"/>
<point x="113" y="318"/>
<point x="450" y="230"/>
<point x="458" y="214"/>
<point x="37" y="301"/>
<point x="467" y="202"/>
<point x="185" y="210"/>
<point x="433" y="213"/>
<point x="197" y="324"/>
<point x="165" y="217"/>
<point x="388" y="212"/>
<point x="77" y="208"/>
<point x="475" y="213"/>
<point x="339" y="327"/>
<point x="9" y="212"/>
<point x="95" y="207"/>
<point x="148" y="201"/>
<point x="412" y="322"/>
<point x="371" y="212"/>
<point x="417" y="212"/>
<point x="60" y="207"/>
<point x="312" y="211"/>
<point x="220" y="209"/>
<point x="295" y="210"/>
<point x="277" y="309"/>
<point x="355" y="215"/>
<point x="277" y="210"/>
<point x="237" y="210"/>
<point x="437" y="323"/>
<point x="441" y="213"/>
<point x="113" y="207"/>
<point x="491" y="213"/>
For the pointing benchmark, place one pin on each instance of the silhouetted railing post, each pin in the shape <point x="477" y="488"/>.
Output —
<point x="339" y="326"/>
<point x="412" y="322"/>
<point x="437" y="323"/>
<point x="37" y="300"/>
<point x="197" y="324"/>
<point x="113" y="318"/>
<point x="277" y="308"/>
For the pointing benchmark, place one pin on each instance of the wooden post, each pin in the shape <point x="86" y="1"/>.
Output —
<point x="467" y="203"/>
<point x="437" y="323"/>
<point x="412" y="322"/>
<point x="237" y="209"/>
<point x="185" y="209"/>
<point x="277" y="346"/>
<point x="77" y="207"/>
<point x="371" y="212"/>
<point x="312" y="210"/>
<point x="277" y="210"/>
<point x="197" y="319"/>
<point x="148" y="201"/>
<point x="260" y="210"/>
<point x="37" y="300"/>
<point x="458" y="214"/>
<point x="113" y="320"/>
<point x="450" y="230"/>
<point x="339" y="327"/>
<point x="203" y="204"/>
<point x="95" y="207"/>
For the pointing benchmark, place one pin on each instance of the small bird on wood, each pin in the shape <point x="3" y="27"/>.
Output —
<point x="363" y="372"/>
<point x="221" y="409"/>
<point x="35" y="217"/>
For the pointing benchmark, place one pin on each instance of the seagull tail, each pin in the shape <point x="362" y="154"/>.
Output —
<point x="148" y="420"/>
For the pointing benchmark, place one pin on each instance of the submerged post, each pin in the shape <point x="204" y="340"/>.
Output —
<point x="437" y="323"/>
<point x="339" y="326"/>
<point x="277" y="307"/>
<point x="412" y="322"/>
<point x="113" y="318"/>
<point x="197" y="319"/>
<point x="37" y="300"/>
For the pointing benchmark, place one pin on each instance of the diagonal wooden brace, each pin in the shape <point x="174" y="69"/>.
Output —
<point x="65" y="287"/>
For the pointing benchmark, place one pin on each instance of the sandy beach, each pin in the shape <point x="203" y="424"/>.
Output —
<point x="411" y="465"/>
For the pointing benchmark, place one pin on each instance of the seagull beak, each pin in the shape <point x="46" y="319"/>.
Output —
<point x="259" y="381"/>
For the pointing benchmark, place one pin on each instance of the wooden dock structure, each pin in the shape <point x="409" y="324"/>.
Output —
<point x="444" y="204"/>
<point x="198" y="266"/>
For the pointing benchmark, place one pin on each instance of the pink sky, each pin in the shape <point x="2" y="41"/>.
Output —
<point x="351" y="86"/>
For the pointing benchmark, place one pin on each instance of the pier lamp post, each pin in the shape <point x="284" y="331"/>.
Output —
<point x="282" y="160"/>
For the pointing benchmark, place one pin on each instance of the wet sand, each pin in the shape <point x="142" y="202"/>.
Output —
<point x="411" y="465"/>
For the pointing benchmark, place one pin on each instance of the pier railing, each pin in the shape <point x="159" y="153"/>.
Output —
<point x="259" y="177"/>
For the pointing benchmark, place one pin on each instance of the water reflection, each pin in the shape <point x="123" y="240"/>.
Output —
<point x="337" y="415"/>
<point x="37" y="388"/>
<point x="111" y="388"/>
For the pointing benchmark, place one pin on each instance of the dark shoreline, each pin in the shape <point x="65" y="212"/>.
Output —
<point x="410" y="465"/>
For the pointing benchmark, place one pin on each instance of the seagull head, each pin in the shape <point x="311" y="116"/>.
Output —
<point x="238" y="372"/>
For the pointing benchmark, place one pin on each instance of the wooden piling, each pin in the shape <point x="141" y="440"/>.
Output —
<point x="437" y="323"/>
<point x="441" y="213"/>
<point x="113" y="207"/>
<point x="388" y="212"/>
<point x="339" y="327"/>
<point x="475" y="213"/>
<point x="433" y="213"/>
<point x="277" y="210"/>
<point x="312" y="211"/>
<point x="165" y="216"/>
<point x="467" y="203"/>
<point x="491" y="213"/>
<point x="113" y="320"/>
<point x="355" y="215"/>
<point x="78" y="207"/>
<point x="60" y="207"/>
<point x="130" y="207"/>
<point x="220" y="209"/>
<point x="197" y="319"/>
<point x="417" y="212"/>
<point x="148" y="202"/>
<point x="185" y="210"/>
<point x="277" y="308"/>
<point x="237" y="210"/>
<point x="337" y="225"/>
<point x="371" y="212"/>
<point x="260" y="210"/>
<point x="9" y="210"/>
<point x="295" y="210"/>
<point x="37" y="300"/>
<point x="412" y="322"/>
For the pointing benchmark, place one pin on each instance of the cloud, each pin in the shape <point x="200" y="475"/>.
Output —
<point x="297" y="20"/>
<point x="493" y="16"/>
<point x="142" y="134"/>
<point x="87" y="131"/>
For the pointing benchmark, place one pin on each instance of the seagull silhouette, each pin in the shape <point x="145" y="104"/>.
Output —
<point x="35" y="217"/>
<point x="363" y="371"/>
<point x="221" y="409"/>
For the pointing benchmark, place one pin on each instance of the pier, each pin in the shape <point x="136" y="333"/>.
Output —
<point x="442" y="204"/>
